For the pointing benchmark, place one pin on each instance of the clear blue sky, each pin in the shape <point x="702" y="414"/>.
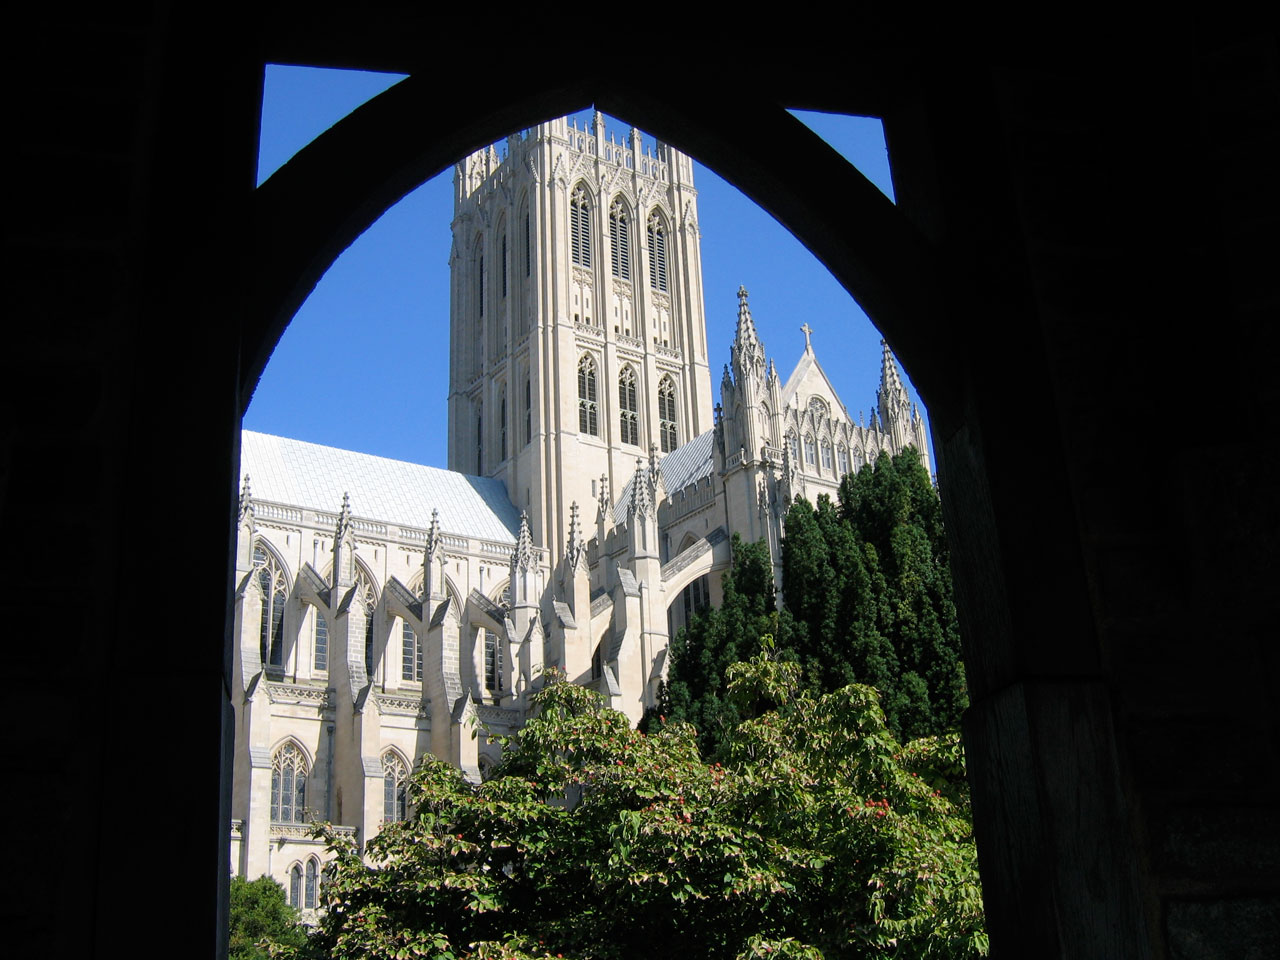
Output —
<point x="361" y="365"/>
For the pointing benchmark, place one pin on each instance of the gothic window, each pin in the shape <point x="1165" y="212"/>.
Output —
<point x="528" y="411"/>
<point x="289" y="785"/>
<point x="818" y="407"/>
<point x="657" y="253"/>
<point x="620" y="241"/>
<point x="696" y="597"/>
<point x="502" y="426"/>
<point x="271" y="581"/>
<point x="810" y="451"/>
<point x="295" y="886"/>
<point x="580" y="227"/>
<point x="410" y="653"/>
<point x="528" y="250"/>
<point x="667" y="414"/>
<point x="842" y="458"/>
<point x="365" y="592"/>
<point x="826" y="455"/>
<point x="793" y="444"/>
<point x="629" y="411"/>
<point x="479" y="439"/>
<point x="492" y="663"/>
<point x="858" y="460"/>
<point x="395" y="788"/>
<point x="320" y="645"/>
<point x="588" y="407"/>
<point x="313" y="876"/>
<point x="480" y="282"/>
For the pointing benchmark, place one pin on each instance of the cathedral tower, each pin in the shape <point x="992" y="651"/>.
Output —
<point x="577" y="335"/>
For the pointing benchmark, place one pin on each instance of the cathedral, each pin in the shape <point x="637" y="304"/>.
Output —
<point x="384" y="610"/>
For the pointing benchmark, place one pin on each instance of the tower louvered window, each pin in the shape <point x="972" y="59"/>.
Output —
<point x="288" y="785"/>
<point x="274" y="591"/>
<point x="667" y="414"/>
<point x="580" y="228"/>
<point x="628" y="408"/>
<point x="588" y="406"/>
<point x="657" y="254"/>
<point x="620" y="241"/>
<point x="480" y="283"/>
<point x="528" y="411"/>
<point x="479" y="439"/>
<point x="528" y="253"/>
<point x="504" y="266"/>
<point x="502" y="426"/>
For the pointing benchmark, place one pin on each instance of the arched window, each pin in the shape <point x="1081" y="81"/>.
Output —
<point x="810" y="450"/>
<point x="858" y="458"/>
<point x="275" y="590"/>
<point x="657" y="253"/>
<point x="395" y="788"/>
<point x="289" y="785"/>
<point x="826" y="455"/>
<point x="667" y="414"/>
<point x="628" y="409"/>
<point x="320" y="643"/>
<point x="588" y="408"/>
<point x="492" y="663"/>
<point x="295" y="886"/>
<point x="842" y="458"/>
<point x="818" y="407"/>
<point x="580" y="227"/>
<point x="365" y="592"/>
<point x="528" y="250"/>
<point x="313" y="876"/>
<point x="410" y="653"/>
<point x="793" y="444"/>
<point x="619" y="241"/>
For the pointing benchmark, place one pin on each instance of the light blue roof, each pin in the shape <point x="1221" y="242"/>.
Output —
<point x="315" y="477"/>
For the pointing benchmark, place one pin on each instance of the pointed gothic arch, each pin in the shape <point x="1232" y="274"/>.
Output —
<point x="656" y="237"/>
<point x="395" y="786"/>
<point x="290" y="768"/>
<point x="669" y="435"/>
<point x="366" y="588"/>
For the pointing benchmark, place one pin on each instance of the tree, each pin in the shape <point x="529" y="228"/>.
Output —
<point x="259" y="911"/>
<point x="819" y="836"/>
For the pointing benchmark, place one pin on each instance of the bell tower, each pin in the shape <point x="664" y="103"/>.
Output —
<point x="577" y="332"/>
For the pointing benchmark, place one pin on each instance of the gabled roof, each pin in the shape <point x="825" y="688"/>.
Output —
<point x="315" y="477"/>
<point x="809" y="378"/>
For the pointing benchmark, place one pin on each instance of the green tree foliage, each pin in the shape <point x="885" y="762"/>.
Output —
<point x="868" y="599"/>
<point x="259" y="911"/>
<point x="818" y="836"/>
<point x="698" y="690"/>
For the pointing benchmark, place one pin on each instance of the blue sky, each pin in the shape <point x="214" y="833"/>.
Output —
<point x="361" y="367"/>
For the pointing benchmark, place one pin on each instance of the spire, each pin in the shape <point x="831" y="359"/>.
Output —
<point x="892" y="397"/>
<point x="746" y="326"/>
<point x="576" y="550"/>
<point x="746" y="352"/>
<point x="433" y="536"/>
<point x="523" y="557"/>
<point x="245" y="508"/>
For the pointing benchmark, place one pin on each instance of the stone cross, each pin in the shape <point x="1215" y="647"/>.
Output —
<point x="807" y="330"/>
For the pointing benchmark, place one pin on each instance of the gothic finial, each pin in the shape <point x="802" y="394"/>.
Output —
<point x="433" y="535"/>
<point x="523" y="557"/>
<point x="246" y="501"/>
<point x="576" y="551"/>
<point x="746" y="326"/>
<point x="344" y="528"/>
